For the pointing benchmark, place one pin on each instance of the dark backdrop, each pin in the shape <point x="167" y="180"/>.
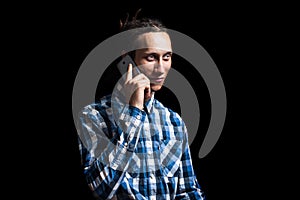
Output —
<point x="84" y="32"/>
<point x="77" y="32"/>
<point x="60" y="36"/>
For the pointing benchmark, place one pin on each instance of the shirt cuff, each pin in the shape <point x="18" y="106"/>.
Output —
<point x="130" y="120"/>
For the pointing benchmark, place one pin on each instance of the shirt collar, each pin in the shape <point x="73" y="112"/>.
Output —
<point x="149" y="104"/>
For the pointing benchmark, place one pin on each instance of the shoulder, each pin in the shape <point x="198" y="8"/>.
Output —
<point x="97" y="108"/>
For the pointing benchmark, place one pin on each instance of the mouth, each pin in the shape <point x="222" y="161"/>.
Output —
<point x="157" y="80"/>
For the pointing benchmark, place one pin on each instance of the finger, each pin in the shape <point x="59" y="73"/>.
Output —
<point x="129" y="72"/>
<point x="148" y="91"/>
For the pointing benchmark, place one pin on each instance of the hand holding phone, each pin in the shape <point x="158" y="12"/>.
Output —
<point x="135" y="96"/>
<point x="123" y="65"/>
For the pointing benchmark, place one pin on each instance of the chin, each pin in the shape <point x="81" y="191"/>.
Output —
<point x="155" y="87"/>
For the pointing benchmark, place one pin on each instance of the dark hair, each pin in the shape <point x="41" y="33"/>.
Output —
<point x="140" y="26"/>
<point x="146" y="22"/>
<point x="153" y="24"/>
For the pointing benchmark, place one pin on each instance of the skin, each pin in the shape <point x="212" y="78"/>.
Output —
<point x="154" y="61"/>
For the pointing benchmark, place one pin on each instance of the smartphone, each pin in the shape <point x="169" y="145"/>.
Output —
<point x="123" y="65"/>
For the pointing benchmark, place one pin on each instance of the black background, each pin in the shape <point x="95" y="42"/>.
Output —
<point x="49" y="42"/>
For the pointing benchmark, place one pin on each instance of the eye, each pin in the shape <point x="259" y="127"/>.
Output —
<point x="167" y="56"/>
<point x="150" y="57"/>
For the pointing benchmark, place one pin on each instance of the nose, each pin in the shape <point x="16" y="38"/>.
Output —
<point x="159" y="67"/>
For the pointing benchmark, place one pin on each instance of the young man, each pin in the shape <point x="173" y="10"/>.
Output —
<point x="132" y="147"/>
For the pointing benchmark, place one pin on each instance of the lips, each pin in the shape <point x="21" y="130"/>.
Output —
<point x="157" y="80"/>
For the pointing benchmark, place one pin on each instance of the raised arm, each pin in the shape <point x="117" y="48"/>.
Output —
<point x="105" y="148"/>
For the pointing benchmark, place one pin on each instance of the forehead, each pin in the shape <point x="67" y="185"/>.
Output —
<point x="153" y="40"/>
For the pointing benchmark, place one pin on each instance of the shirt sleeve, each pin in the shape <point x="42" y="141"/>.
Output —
<point x="188" y="186"/>
<point x="106" y="149"/>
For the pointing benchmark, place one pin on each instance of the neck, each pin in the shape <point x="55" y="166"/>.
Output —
<point x="149" y="97"/>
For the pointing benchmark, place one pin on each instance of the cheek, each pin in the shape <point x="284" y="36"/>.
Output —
<point x="167" y="69"/>
<point x="146" y="68"/>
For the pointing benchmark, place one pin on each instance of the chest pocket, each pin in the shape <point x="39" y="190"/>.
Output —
<point x="157" y="152"/>
<point x="170" y="156"/>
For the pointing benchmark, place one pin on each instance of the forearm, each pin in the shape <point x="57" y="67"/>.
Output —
<point x="188" y="186"/>
<point x="104" y="166"/>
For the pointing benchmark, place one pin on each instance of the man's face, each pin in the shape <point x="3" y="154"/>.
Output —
<point x="154" y="60"/>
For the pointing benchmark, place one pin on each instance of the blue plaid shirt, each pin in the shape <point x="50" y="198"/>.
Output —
<point x="128" y="153"/>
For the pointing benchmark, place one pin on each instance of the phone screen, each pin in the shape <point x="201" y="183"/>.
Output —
<point x="123" y="65"/>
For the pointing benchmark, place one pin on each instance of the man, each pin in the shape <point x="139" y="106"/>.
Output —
<point x="132" y="146"/>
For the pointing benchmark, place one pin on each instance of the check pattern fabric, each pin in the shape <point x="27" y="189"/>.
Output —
<point x="136" y="154"/>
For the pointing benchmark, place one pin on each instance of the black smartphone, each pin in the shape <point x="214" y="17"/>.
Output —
<point x="123" y="65"/>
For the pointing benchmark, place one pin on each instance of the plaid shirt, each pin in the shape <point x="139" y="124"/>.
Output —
<point x="144" y="154"/>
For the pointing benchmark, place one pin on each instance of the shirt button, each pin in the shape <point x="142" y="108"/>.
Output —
<point x="138" y="117"/>
<point x="152" y="176"/>
<point x="130" y="137"/>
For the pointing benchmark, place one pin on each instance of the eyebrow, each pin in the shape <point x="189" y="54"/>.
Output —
<point x="151" y="52"/>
